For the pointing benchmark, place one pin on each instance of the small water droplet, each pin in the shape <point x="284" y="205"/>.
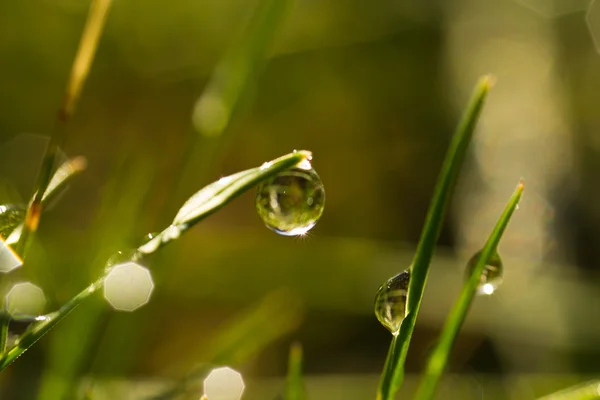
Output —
<point x="292" y="202"/>
<point x="11" y="216"/>
<point x="121" y="257"/>
<point x="149" y="237"/>
<point x="390" y="301"/>
<point x="492" y="274"/>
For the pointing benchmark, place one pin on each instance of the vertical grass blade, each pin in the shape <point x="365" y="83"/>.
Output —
<point x="393" y="373"/>
<point x="294" y="389"/>
<point x="4" y="323"/>
<point x="79" y="72"/>
<point x="439" y="358"/>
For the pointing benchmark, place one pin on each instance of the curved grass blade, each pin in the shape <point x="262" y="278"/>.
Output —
<point x="393" y="372"/>
<point x="216" y="195"/>
<point x="439" y="358"/>
<point x="198" y="207"/>
<point x="294" y="388"/>
<point x="585" y="391"/>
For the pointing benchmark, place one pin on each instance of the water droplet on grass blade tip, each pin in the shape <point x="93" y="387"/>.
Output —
<point x="390" y="301"/>
<point x="491" y="276"/>
<point x="291" y="202"/>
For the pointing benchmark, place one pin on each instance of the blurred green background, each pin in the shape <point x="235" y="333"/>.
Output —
<point x="374" y="89"/>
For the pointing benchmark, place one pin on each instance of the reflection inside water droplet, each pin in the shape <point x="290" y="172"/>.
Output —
<point x="491" y="276"/>
<point x="390" y="301"/>
<point x="292" y="202"/>
<point x="11" y="216"/>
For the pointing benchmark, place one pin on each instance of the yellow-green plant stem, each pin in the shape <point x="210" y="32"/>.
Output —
<point x="294" y="389"/>
<point x="79" y="72"/>
<point x="393" y="373"/>
<point x="439" y="358"/>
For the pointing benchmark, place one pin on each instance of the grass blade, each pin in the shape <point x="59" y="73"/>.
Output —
<point x="585" y="391"/>
<point x="62" y="175"/>
<point x="294" y="388"/>
<point x="214" y="196"/>
<point x="439" y="358"/>
<point x="79" y="72"/>
<point x="204" y="203"/>
<point x="393" y="373"/>
<point x="215" y="107"/>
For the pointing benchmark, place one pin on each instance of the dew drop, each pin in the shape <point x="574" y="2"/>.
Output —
<point x="292" y="202"/>
<point x="121" y="257"/>
<point x="11" y="216"/>
<point x="491" y="277"/>
<point x="390" y="301"/>
<point x="149" y="237"/>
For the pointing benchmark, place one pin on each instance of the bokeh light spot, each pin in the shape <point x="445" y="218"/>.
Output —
<point x="128" y="286"/>
<point x="25" y="298"/>
<point x="223" y="384"/>
<point x="9" y="260"/>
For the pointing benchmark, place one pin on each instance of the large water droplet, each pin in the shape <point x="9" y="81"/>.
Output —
<point x="390" y="301"/>
<point x="292" y="202"/>
<point x="11" y="216"/>
<point x="491" y="276"/>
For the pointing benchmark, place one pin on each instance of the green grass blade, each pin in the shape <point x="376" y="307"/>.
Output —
<point x="215" y="107"/>
<point x="79" y="71"/>
<point x="202" y="204"/>
<point x="393" y="373"/>
<point x="45" y="323"/>
<point x="294" y="387"/>
<point x="214" y="196"/>
<point x="585" y="391"/>
<point x="439" y="358"/>
<point x="4" y="323"/>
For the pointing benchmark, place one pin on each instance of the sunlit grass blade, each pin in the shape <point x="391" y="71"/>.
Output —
<point x="243" y="336"/>
<point x="439" y="358"/>
<point x="45" y="323"/>
<point x="215" y="107"/>
<point x="294" y="388"/>
<point x="202" y="204"/>
<point x="585" y="391"/>
<point x="393" y="373"/>
<point x="214" y="196"/>
<point x="62" y="175"/>
<point x="79" y="71"/>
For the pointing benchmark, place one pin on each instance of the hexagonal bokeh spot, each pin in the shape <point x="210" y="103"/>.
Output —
<point x="223" y="384"/>
<point x="554" y="8"/>
<point x="128" y="286"/>
<point x="593" y="22"/>
<point x="25" y="298"/>
<point x="9" y="260"/>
